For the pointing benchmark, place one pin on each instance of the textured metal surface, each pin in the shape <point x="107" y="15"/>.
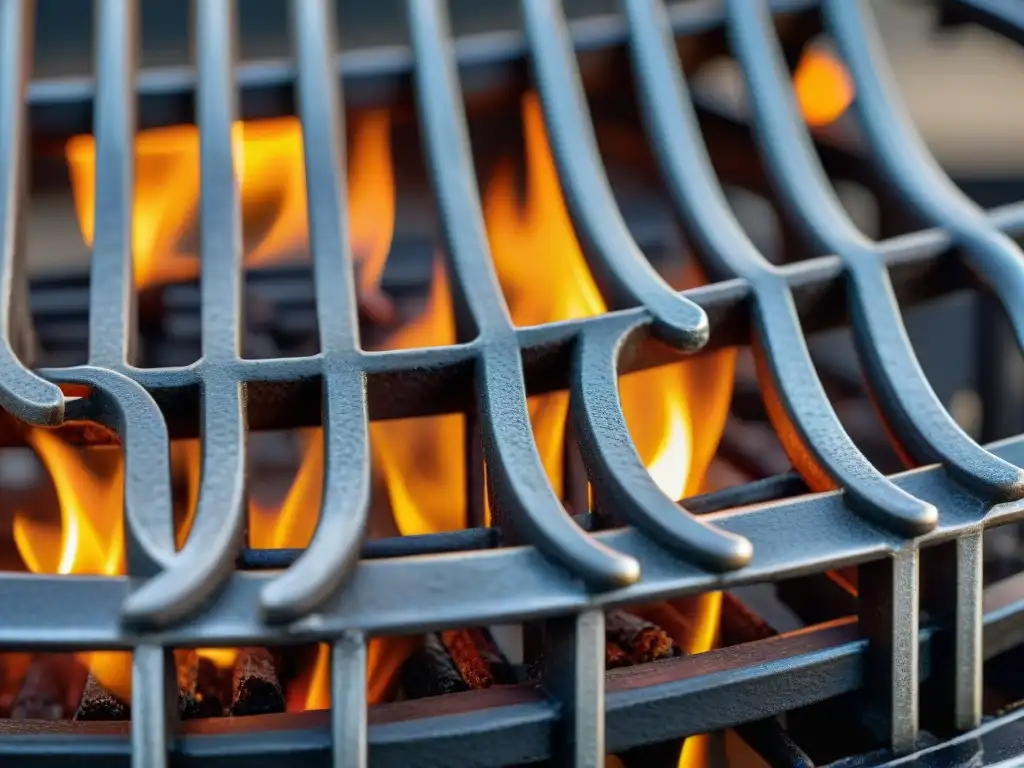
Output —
<point x="548" y="566"/>
<point x="489" y="60"/>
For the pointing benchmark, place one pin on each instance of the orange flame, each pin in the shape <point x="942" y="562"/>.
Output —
<point x="421" y="460"/>
<point x="824" y="89"/>
<point x="90" y="536"/>
<point x="269" y="164"/>
<point x="675" y="413"/>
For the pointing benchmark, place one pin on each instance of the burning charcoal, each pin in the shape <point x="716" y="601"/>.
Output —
<point x="100" y="704"/>
<point x="501" y="668"/>
<point x="41" y="696"/>
<point x="256" y="689"/>
<point x="430" y="671"/>
<point x="615" y="657"/>
<point x="642" y="640"/>
<point x="475" y="655"/>
<point x="198" y="689"/>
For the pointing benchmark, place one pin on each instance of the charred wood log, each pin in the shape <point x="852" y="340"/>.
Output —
<point x="454" y="661"/>
<point x="256" y="688"/>
<point x="41" y="696"/>
<point x="100" y="704"/>
<point x="642" y="640"/>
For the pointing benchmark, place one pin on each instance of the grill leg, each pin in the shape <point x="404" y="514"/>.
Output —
<point x="154" y="706"/>
<point x="889" y="619"/>
<point x="574" y="675"/>
<point x="348" y="701"/>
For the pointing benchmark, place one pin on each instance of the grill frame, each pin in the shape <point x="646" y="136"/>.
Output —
<point x="169" y="600"/>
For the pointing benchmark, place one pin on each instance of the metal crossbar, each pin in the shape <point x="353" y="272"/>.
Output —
<point x="549" y="567"/>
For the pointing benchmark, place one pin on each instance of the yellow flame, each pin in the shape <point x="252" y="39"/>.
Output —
<point x="90" y="536"/>
<point x="421" y="460"/>
<point x="824" y="89"/>
<point x="675" y="413"/>
<point x="269" y="165"/>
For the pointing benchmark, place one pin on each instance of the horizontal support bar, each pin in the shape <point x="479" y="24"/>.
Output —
<point x="285" y="393"/>
<point x="63" y="106"/>
<point x="509" y="584"/>
<point x="513" y="725"/>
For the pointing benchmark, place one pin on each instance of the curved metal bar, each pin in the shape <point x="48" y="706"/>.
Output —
<point x="22" y="392"/>
<point x="620" y="268"/>
<point x="112" y="316"/>
<point x="344" y="509"/>
<point x="207" y="560"/>
<point x="905" y="161"/>
<point x="796" y="401"/>
<point x="924" y="426"/>
<point x="521" y="487"/>
<point x="615" y="468"/>
<point x="130" y="411"/>
<point x="826" y="450"/>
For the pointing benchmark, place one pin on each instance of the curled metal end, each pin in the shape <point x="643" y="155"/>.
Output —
<point x="897" y="510"/>
<point x="28" y="397"/>
<point x="521" y="487"/>
<point x="680" y="322"/>
<point x="618" y="473"/>
<point x="124" y="406"/>
<point x="333" y="553"/>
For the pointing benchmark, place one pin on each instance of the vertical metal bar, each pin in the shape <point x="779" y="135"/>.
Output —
<point x="24" y="394"/>
<point x="968" y="651"/>
<point x="208" y="556"/>
<point x="112" y="322"/>
<point x="348" y="701"/>
<point x="334" y="550"/>
<point x="154" y="706"/>
<point x="888" y="591"/>
<point x="574" y="675"/>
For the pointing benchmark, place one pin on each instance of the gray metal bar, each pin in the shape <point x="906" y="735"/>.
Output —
<point x="372" y="75"/>
<point x="624" y="273"/>
<point x="889" y="617"/>
<point x="348" y="701"/>
<point x="524" y="502"/>
<point x="574" y="675"/>
<point x="968" y="650"/>
<point x="498" y="586"/>
<point x="23" y="393"/>
<point x="208" y="557"/>
<point x="154" y="706"/>
<point x="344" y="508"/>
<point x="112" y="317"/>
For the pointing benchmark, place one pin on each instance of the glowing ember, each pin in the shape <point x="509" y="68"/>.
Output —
<point x="824" y="88"/>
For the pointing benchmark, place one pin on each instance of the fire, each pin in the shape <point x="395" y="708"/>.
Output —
<point x="675" y="413"/>
<point x="291" y="526"/>
<point x="421" y="460"/>
<point x="824" y="89"/>
<point x="89" y="538"/>
<point x="269" y="164"/>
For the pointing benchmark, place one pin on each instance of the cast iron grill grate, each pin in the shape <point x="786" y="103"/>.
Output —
<point x="560" y="571"/>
